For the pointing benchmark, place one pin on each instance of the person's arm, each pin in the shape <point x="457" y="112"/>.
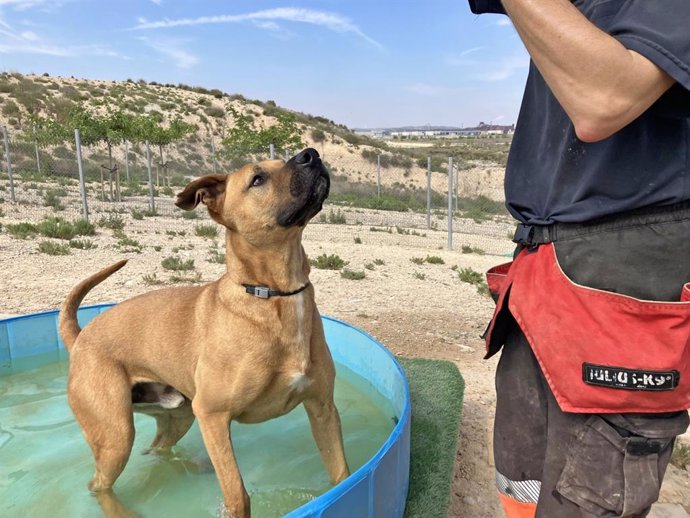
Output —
<point x="600" y="84"/>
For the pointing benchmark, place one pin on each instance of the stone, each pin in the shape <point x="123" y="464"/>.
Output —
<point x="667" y="511"/>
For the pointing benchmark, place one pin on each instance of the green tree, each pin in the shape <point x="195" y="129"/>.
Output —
<point x="146" y="128"/>
<point x="244" y="140"/>
<point x="44" y="132"/>
<point x="110" y="129"/>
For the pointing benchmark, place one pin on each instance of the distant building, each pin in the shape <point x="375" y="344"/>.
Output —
<point x="428" y="132"/>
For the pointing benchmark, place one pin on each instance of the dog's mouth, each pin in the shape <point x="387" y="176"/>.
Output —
<point x="310" y="184"/>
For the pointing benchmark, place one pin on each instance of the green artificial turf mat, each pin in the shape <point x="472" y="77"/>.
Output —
<point x="436" y="389"/>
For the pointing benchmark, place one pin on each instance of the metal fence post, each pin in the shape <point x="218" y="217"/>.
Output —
<point x="82" y="183"/>
<point x="450" y="203"/>
<point x="38" y="158"/>
<point x="378" y="176"/>
<point x="272" y="151"/>
<point x="213" y="155"/>
<point x="428" y="193"/>
<point x="152" y="202"/>
<point x="9" y="162"/>
<point x="127" y="159"/>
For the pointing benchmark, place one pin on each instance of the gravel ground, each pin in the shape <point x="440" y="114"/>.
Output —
<point x="417" y="310"/>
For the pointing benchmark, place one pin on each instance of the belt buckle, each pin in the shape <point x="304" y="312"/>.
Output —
<point x="524" y="235"/>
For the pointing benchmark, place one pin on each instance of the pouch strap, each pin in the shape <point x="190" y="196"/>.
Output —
<point x="534" y="235"/>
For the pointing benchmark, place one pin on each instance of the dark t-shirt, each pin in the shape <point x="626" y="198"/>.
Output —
<point x="553" y="176"/>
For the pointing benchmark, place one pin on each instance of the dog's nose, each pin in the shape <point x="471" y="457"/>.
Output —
<point x="307" y="156"/>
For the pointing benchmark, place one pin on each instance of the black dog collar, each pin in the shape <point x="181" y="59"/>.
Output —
<point x="263" y="292"/>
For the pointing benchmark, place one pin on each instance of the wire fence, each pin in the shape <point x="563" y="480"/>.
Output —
<point x="380" y="197"/>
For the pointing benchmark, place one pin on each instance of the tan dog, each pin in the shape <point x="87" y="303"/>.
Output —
<point x="215" y="352"/>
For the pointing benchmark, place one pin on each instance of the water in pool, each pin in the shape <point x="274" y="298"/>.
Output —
<point x="45" y="462"/>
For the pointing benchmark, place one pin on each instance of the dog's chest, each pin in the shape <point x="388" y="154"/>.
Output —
<point x="299" y="381"/>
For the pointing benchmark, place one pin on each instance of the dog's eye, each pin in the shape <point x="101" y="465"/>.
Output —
<point x="258" y="180"/>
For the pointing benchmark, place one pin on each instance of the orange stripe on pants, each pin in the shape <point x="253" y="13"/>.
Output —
<point x="515" y="509"/>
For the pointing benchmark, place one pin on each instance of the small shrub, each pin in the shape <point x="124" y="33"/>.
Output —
<point x="177" y="264"/>
<point x="52" y="248"/>
<point x="470" y="276"/>
<point x="417" y="260"/>
<point x="483" y="289"/>
<point x="434" y="259"/>
<point x="127" y="244"/>
<point x="52" y="199"/>
<point x="420" y="276"/>
<point x="61" y="229"/>
<point x="22" y="230"/>
<point x="388" y="230"/>
<point x="151" y="279"/>
<point x="352" y="275"/>
<point x="112" y="221"/>
<point x="318" y="135"/>
<point x="82" y="244"/>
<point x="209" y="231"/>
<point x="137" y="214"/>
<point x="189" y="214"/>
<point x="328" y="262"/>
<point x="681" y="455"/>
<point x="84" y="228"/>
<point x="358" y="240"/>
<point x="337" y="217"/>
<point x="214" y="111"/>
<point x="369" y="266"/>
<point x="177" y="278"/>
<point x="467" y="249"/>
<point x="379" y="262"/>
<point x="215" y="255"/>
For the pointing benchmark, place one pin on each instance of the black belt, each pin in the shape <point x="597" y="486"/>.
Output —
<point x="535" y="235"/>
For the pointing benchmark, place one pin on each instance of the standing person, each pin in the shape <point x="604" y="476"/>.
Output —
<point x="593" y="315"/>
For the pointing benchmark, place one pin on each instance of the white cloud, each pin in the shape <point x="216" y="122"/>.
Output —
<point x="461" y="58"/>
<point x="173" y="49"/>
<point x="30" y="36"/>
<point x="157" y="2"/>
<point x="23" y="5"/>
<point x="331" y="21"/>
<point x="28" y="42"/>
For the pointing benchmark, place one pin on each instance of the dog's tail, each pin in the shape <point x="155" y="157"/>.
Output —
<point x="67" y="322"/>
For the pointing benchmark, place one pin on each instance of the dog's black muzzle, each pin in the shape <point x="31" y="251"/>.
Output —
<point x="309" y="186"/>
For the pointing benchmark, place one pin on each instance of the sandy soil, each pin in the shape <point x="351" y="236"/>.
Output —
<point x="415" y="310"/>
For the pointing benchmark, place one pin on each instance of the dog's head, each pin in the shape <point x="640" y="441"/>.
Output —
<point x="261" y="198"/>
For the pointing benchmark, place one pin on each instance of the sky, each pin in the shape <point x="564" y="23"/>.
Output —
<point x="362" y="63"/>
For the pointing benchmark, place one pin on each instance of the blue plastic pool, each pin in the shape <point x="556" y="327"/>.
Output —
<point x="378" y="489"/>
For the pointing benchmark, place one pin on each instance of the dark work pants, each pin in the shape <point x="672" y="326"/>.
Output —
<point x="582" y="465"/>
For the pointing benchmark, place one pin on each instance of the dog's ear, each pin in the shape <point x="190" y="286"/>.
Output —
<point x="206" y="190"/>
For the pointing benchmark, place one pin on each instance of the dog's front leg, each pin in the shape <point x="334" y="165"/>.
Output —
<point x="215" y="429"/>
<point x="111" y="505"/>
<point x="325" y="426"/>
